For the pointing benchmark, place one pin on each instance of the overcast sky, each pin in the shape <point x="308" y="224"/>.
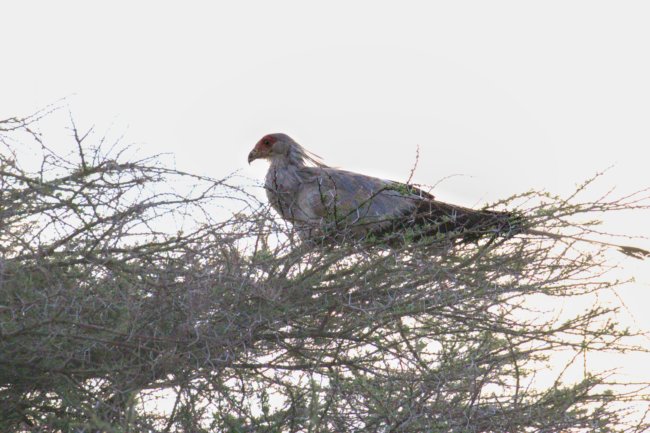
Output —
<point x="509" y="95"/>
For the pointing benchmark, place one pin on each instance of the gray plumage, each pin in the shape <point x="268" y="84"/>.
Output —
<point x="322" y="201"/>
<point x="319" y="200"/>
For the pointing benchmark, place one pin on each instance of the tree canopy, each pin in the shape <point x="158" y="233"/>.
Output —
<point x="131" y="301"/>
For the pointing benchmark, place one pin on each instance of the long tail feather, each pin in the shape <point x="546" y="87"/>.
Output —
<point x="637" y="253"/>
<point x="435" y="217"/>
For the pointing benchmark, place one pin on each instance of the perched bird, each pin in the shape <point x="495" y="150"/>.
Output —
<point x="324" y="201"/>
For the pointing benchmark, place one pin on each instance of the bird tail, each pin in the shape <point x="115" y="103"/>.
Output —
<point x="469" y="224"/>
<point x="636" y="252"/>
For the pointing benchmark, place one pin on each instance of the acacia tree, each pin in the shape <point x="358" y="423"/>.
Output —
<point x="126" y="305"/>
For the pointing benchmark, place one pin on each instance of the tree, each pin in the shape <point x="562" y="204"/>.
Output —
<point x="125" y="305"/>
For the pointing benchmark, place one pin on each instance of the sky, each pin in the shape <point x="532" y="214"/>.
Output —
<point x="498" y="97"/>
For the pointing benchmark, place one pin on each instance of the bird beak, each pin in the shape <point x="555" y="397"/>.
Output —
<point x="253" y="156"/>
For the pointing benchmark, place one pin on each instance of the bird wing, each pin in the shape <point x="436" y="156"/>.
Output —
<point x="363" y="203"/>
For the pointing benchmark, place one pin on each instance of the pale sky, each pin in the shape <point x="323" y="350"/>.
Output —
<point x="511" y="95"/>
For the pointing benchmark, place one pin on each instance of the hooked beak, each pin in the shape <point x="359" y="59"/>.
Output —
<point x="253" y="156"/>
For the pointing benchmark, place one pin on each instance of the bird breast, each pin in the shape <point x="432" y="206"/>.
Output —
<point x="282" y="186"/>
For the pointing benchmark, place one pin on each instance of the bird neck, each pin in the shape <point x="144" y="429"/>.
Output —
<point x="283" y="162"/>
<point x="283" y="173"/>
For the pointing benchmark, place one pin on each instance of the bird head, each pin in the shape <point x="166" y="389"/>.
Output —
<point x="270" y="146"/>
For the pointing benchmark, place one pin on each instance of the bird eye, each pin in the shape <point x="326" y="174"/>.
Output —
<point x="266" y="142"/>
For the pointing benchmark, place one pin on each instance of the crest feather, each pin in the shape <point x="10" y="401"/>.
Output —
<point x="300" y="155"/>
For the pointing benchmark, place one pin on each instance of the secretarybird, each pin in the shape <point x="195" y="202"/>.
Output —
<point x="325" y="201"/>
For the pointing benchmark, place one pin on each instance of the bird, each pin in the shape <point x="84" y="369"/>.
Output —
<point x="324" y="202"/>
<point x="327" y="202"/>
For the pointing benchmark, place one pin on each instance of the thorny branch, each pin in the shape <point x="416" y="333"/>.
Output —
<point x="123" y="282"/>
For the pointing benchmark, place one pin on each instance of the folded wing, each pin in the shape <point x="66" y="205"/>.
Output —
<point x="362" y="205"/>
